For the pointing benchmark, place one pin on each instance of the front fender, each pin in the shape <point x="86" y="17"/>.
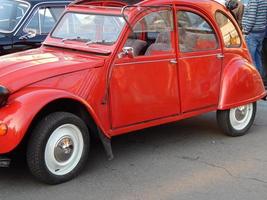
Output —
<point x="21" y="109"/>
<point x="241" y="84"/>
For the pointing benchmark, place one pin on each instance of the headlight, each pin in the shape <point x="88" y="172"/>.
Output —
<point x="4" y="94"/>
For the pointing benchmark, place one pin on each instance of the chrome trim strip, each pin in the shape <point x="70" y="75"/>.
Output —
<point x="200" y="56"/>
<point x="141" y="62"/>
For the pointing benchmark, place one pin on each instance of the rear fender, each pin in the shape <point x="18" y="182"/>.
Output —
<point x="241" y="84"/>
<point x="23" y="106"/>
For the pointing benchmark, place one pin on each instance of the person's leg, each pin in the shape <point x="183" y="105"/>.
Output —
<point x="252" y="46"/>
<point x="264" y="55"/>
<point x="254" y="43"/>
<point x="258" y="54"/>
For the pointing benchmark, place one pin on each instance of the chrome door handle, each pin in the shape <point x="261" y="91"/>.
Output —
<point x="220" y="56"/>
<point x="174" y="61"/>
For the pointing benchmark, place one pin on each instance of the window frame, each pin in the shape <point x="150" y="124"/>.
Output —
<point x="172" y="32"/>
<point x="37" y="10"/>
<point x="22" y="19"/>
<point x="62" y="16"/>
<point x="204" y="17"/>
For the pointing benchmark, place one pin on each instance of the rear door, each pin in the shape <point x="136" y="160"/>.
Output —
<point x="199" y="59"/>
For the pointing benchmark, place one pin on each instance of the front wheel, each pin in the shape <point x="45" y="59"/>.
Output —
<point x="237" y="121"/>
<point x="58" y="148"/>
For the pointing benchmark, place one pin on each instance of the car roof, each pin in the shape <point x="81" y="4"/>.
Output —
<point x="149" y="2"/>
<point x="208" y="6"/>
<point x="198" y="2"/>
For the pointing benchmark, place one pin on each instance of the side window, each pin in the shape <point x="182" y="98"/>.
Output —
<point x="44" y="19"/>
<point x="152" y="34"/>
<point x="195" y="33"/>
<point x="230" y="35"/>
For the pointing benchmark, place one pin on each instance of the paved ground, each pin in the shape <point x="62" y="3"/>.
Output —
<point x="190" y="160"/>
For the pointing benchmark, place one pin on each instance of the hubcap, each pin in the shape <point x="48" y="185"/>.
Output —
<point x="64" y="149"/>
<point x="241" y="112"/>
<point x="241" y="116"/>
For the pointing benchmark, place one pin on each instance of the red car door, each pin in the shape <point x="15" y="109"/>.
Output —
<point x="145" y="87"/>
<point x="199" y="60"/>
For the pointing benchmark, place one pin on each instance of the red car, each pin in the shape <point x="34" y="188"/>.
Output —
<point x="109" y="68"/>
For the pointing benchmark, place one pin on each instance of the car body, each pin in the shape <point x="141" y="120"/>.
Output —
<point x="20" y="26"/>
<point x="110" y="68"/>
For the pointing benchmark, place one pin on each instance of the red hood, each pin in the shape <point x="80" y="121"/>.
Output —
<point x="21" y="69"/>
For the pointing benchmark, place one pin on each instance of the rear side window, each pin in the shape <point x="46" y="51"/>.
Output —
<point x="229" y="32"/>
<point x="195" y="33"/>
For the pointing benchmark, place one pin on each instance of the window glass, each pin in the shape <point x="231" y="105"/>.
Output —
<point x="160" y="21"/>
<point x="152" y="34"/>
<point x="11" y="12"/>
<point x="195" y="33"/>
<point x="89" y="28"/>
<point x="230" y="35"/>
<point x="44" y="19"/>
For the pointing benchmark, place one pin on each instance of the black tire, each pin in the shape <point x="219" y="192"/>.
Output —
<point x="37" y="147"/>
<point x="224" y="122"/>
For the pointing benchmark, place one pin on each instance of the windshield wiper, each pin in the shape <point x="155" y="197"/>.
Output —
<point x="98" y="42"/>
<point x="73" y="39"/>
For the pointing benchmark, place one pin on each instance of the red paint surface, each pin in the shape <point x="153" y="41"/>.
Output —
<point x="126" y="94"/>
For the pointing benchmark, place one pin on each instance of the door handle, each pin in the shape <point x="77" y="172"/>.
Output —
<point x="220" y="56"/>
<point x="173" y="61"/>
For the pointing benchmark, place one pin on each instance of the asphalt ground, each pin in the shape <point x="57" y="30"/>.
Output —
<point x="189" y="159"/>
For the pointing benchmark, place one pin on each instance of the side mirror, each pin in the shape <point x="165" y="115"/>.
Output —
<point x="31" y="33"/>
<point x="126" y="52"/>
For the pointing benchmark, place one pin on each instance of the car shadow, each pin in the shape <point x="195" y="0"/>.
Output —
<point x="179" y="135"/>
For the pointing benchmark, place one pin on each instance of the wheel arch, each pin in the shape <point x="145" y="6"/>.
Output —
<point x="65" y="105"/>
<point x="49" y="100"/>
<point x="240" y="84"/>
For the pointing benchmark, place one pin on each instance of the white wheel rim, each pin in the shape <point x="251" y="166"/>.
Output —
<point x="64" y="149"/>
<point x="241" y="116"/>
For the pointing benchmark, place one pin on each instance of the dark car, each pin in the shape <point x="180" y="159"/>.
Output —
<point x="25" y="24"/>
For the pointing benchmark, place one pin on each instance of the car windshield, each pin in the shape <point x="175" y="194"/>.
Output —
<point x="89" y="28"/>
<point x="11" y="12"/>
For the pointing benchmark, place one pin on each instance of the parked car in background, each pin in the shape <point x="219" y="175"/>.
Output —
<point x="25" y="24"/>
<point x="109" y="68"/>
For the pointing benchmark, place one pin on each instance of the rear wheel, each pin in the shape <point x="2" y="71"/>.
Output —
<point x="237" y="121"/>
<point x="58" y="148"/>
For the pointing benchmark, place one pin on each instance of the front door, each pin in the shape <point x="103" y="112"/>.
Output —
<point x="144" y="87"/>
<point x="200" y="61"/>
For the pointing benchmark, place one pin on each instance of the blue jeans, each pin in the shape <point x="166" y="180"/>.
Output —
<point x="254" y="43"/>
<point x="264" y="54"/>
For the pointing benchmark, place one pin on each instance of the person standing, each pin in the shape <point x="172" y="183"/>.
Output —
<point x="254" y="24"/>
<point x="238" y="13"/>
<point x="264" y="56"/>
<point x="237" y="9"/>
